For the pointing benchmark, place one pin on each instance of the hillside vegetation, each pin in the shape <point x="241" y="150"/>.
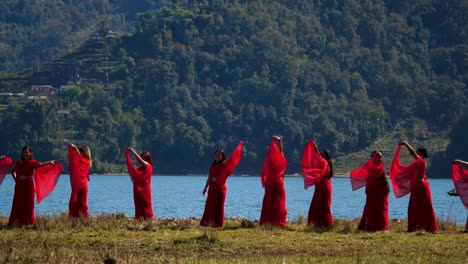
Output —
<point x="194" y="76"/>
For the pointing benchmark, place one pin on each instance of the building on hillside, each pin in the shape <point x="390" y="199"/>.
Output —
<point x="43" y="88"/>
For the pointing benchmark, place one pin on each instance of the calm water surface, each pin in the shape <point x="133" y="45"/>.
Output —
<point x="181" y="196"/>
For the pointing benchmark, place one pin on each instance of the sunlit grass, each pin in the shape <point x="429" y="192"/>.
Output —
<point x="58" y="239"/>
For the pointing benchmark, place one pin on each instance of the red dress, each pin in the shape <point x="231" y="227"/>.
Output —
<point x="412" y="179"/>
<point x="22" y="209"/>
<point x="79" y="177"/>
<point x="274" y="210"/>
<point x="142" y="193"/>
<point x="375" y="214"/>
<point x="315" y="171"/>
<point x="219" y="172"/>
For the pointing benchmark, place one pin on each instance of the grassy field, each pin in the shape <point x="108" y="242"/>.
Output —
<point x="118" y="239"/>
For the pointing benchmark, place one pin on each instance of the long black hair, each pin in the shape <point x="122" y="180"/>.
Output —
<point x="329" y="160"/>
<point x="423" y="152"/>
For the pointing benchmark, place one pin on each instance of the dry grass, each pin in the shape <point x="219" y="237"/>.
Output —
<point x="116" y="238"/>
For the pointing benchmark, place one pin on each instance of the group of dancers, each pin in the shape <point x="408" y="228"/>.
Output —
<point x="38" y="179"/>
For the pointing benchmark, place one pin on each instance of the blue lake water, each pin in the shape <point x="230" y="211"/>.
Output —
<point x="181" y="196"/>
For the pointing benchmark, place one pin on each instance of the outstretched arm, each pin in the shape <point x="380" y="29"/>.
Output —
<point x="42" y="164"/>
<point x="137" y="157"/>
<point x="75" y="148"/>
<point x="410" y="149"/>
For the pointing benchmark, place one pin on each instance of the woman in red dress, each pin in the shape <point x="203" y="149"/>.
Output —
<point x="220" y="170"/>
<point x="141" y="178"/>
<point x="274" y="210"/>
<point x="320" y="208"/>
<point x="460" y="180"/>
<point x="412" y="179"/>
<point x="372" y="175"/>
<point x="31" y="179"/>
<point x="79" y="162"/>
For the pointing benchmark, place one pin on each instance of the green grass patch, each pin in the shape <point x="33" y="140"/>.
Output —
<point x="116" y="238"/>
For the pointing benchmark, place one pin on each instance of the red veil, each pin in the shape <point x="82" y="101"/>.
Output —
<point x="460" y="180"/>
<point x="314" y="167"/>
<point x="403" y="177"/>
<point x="274" y="165"/>
<point x="5" y="165"/>
<point x="45" y="179"/>
<point x="79" y="169"/>
<point x="366" y="174"/>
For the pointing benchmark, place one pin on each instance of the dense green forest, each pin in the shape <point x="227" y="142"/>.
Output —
<point x="188" y="77"/>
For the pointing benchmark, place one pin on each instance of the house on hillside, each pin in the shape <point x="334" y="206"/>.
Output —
<point x="43" y="88"/>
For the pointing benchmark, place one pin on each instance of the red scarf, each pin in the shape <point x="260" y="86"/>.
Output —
<point x="314" y="167"/>
<point x="5" y="165"/>
<point x="404" y="177"/>
<point x="367" y="173"/>
<point x="78" y="167"/>
<point x="139" y="176"/>
<point x="460" y="180"/>
<point x="46" y="178"/>
<point x="274" y="165"/>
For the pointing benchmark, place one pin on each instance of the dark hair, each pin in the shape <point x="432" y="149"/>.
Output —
<point x="222" y="153"/>
<point x="146" y="156"/>
<point x="329" y="160"/>
<point x="423" y="152"/>
<point x="26" y="148"/>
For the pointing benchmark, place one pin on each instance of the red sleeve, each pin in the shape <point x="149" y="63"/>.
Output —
<point x="46" y="178"/>
<point x="314" y="167"/>
<point x="403" y="177"/>
<point x="460" y="180"/>
<point x="5" y="165"/>
<point x="366" y="174"/>
<point x="274" y="165"/>
<point x="231" y="164"/>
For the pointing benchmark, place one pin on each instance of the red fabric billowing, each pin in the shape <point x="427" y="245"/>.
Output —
<point x="460" y="180"/>
<point x="5" y="165"/>
<point x="367" y="173"/>
<point x="22" y="209"/>
<point x="314" y="167"/>
<point x="375" y="215"/>
<point x="213" y="214"/>
<point x="274" y="210"/>
<point x="45" y="179"/>
<point x="320" y="214"/>
<point x="403" y="177"/>
<point x="142" y="193"/>
<point x="79" y="176"/>
<point x="274" y="166"/>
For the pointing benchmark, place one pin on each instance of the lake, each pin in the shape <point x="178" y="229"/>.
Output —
<point x="181" y="196"/>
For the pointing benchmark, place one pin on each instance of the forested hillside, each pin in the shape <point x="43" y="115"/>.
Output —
<point x="194" y="76"/>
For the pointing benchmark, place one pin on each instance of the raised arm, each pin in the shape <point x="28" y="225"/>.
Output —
<point x="461" y="162"/>
<point x="137" y="157"/>
<point x="280" y="143"/>
<point x="75" y="148"/>
<point x="410" y="149"/>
